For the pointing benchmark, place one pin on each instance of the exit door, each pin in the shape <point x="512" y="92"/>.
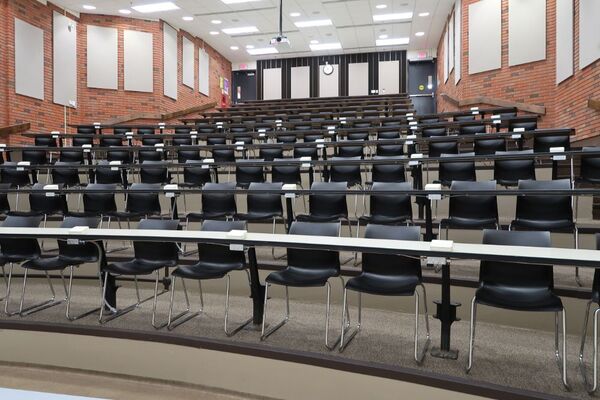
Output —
<point x="422" y="84"/>
<point x="244" y="86"/>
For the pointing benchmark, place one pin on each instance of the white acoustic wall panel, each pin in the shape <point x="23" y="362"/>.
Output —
<point x="64" y="69"/>
<point x="457" y="40"/>
<point x="189" y="63"/>
<point x="272" y="84"/>
<point x="445" y="51"/>
<point x="29" y="60"/>
<point x="451" y="44"/>
<point x="329" y="85"/>
<point x="564" y="39"/>
<point x="389" y="77"/>
<point x="300" y="82"/>
<point x="203" y="72"/>
<point x="102" y="57"/>
<point x="589" y="33"/>
<point x="485" y="36"/>
<point x="138" y="61"/>
<point x="170" y="61"/>
<point x="358" y="79"/>
<point x="526" y="31"/>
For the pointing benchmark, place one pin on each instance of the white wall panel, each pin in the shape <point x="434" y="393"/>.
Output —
<point x="358" y="79"/>
<point x="564" y="39"/>
<point x="329" y="85"/>
<point x="203" y="72"/>
<point x="29" y="60"/>
<point x="451" y="44"/>
<point x="102" y="57"/>
<point x="189" y="62"/>
<point x="138" y="61"/>
<point x="64" y="69"/>
<point x="170" y="61"/>
<point x="485" y="36"/>
<point x="589" y="32"/>
<point x="272" y="84"/>
<point x="445" y="50"/>
<point x="526" y="31"/>
<point x="300" y="82"/>
<point x="389" y="77"/>
<point x="457" y="40"/>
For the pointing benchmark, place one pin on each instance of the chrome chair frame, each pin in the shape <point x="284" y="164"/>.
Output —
<point x="591" y="388"/>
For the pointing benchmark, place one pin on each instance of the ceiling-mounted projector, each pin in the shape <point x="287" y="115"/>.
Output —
<point x="280" y="40"/>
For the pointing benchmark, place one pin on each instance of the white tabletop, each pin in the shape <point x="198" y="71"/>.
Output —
<point x="13" y="394"/>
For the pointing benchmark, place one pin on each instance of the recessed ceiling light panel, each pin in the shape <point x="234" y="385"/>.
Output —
<point x="238" y="1"/>
<point x="424" y="14"/>
<point x="240" y="30"/>
<point x="313" y="23"/>
<point x="392" y="17"/>
<point x="214" y="33"/>
<point x="392" y="42"/>
<point x="262" y="51"/>
<point x="381" y="6"/>
<point x="326" y="46"/>
<point x="156" y="7"/>
<point x="420" y="34"/>
<point x="88" y="7"/>
<point x="125" y="11"/>
<point x="187" y="18"/>
<point x="294" y="14"/>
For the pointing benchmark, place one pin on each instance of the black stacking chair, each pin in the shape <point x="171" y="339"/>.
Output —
<point x="139" y="203"/>
<point x="286" y="138"/>
<point x="35" y="157"/>
<point x="215" y="261"/>
<point x="223" y="155"/>
<point x="527" y="125"/>
<point x="183" y="130"/>
<point x="79" y="141"/>
<point x="99" y="201"/>
<point x="214" y="205"/>
<point x="149" y="138"/>
<point x="71" y="155"/>
<point x="88" y="130"/>
<point x="106" y="173"/>
<point x="66" y="176"/>
<point x="543" y="144"/>
<point x="46" y="205"/>
<point x="510" y="172"/>
<point x="114" y="140"/>
<point x="181" y="140"/>
<point x="471" y="129"/>
<point x="69" y="256"/>
<point x="519" y="287"/>
<point x="246" y="174"/>
<point x="119" y="130"/>
<point x="388" y="135"/>
<point x="184" y="155"/>
<point x="270" y="154"/>
<point x="44" y="141"/>
<point x="4" y="203"/>
<point x="311" y="152"/>
<point x="456" y="170"/>
<point x="471" y="211"/>
<point x="349" y="173"/>
<point x="18" y="250"/>
<point x="16" y="177"/>
<point x="124" y="156"/>
<point x="488" y="146"/>
<point x="388" y="275"/>
<point x="154" y="172"/>
<point x="149" y="257"/>
<point x="595" y="299"/>
<point x="388" y="209"/>
<point x="590" y="167"/>
<point x="433" y="132"/>
<point x="150" y="155"/>
<point x="429" y="120"/>
<point x="465" y="117"/>
<point x="306" y="268"/>
<point x="195" y="175"/>
<point x="393" y="172"/>
<point x="350" y="151"/>
<point x="215" y="140"/>
<point x="311" y="138"/>
<point x="436" y="149"/>
<point x="327" y="207"/>
<point x="389" y="150"/>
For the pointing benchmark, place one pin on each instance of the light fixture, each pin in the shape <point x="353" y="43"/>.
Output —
<point x="249" y="46"/>
<point x="125" y="11"/>
<point x="383" y="36"/>
<point x="391" y="42"/>
<point x="156" y="7"/>
<point x="419" y="33"/>
<point x="216" y="21"/>
<point x="187" y="18"/>
<point x="234" y="48"/>
<point x="214" y="33"/>
<point x="313" y="23"/>
<point x="237" y="1"/>
<point x="262" y="51"/>
<point x="88" y="7"/>
<point x="424" y="14"/>
<point x="381" y="6"/>
<point x="326" y="46"/>
<point x="294" y="14"/>
<point x="392" y="17"/>
<point x="314" y="41"/>
<point x="240" y="30"/>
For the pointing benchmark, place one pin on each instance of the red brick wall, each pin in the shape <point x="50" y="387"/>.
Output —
<point x="531" y="83"/>
<point x="94" y="104"/>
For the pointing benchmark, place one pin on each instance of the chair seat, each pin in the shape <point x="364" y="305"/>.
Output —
<point x="46" y="264"/>
<point x="204" y="216"/>
<point x="137" y="267"/>
<point x="469" y="223"/>
<point x="301" y="277"/>
<point x="258" y="215"/>
<point x="127" y="214"/>
<point x="540" y="225"/>
<point x="383" y="219"/>
<point x="385" y="285"/>
<point x="320" y="218"/>
<point x="518" y="298"/>
<point x="207" y="270"/>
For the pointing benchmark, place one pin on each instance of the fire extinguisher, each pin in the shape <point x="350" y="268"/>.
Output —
<point x="224" y="100"/>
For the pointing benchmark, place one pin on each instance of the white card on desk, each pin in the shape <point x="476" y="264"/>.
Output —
<point x="289" y="187"/>
<point x="79" y="229"/>
<point x="519" y="130"/>
<point x="446" y="245"/>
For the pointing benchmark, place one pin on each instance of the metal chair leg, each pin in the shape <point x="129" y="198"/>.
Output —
<point x="265" y="334"/>
<point x="471" y="334"/>
<point x="43" y="305"/>
<point x="576" y="244"/>
<point x="238" y="328"/>
<point x="155" y="301"/>
<point x="562" y="359"/>
<point x="327" y="313"/>
<point x="591" y="388"/>
<point x="347" y="336"/>
<point x="184" y="316"/>
<point x="420" y="356"/>
<point x="69" y="296"/>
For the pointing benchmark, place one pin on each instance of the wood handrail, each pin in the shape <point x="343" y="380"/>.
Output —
<point x="594" y="104"/>
<point x="189" y="110"/>
<point x="471" y="101"/>
<point x="158" y="117"/>
<point x="12" y="129"/>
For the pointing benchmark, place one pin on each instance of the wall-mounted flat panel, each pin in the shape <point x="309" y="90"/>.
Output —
<point x="300" y="82"/>
<point x="589" y="34"/>
<point x="29" y="60"/>
<point x="457" y="40"/>
<point x="526" y="31"/>
<point x="64" y="69"/>
<point x="170" y="61"/>
<point x="272" y="84"/>
<point x="188" y="62"/>
<point x="451" y="44"/>
<point x="203" y="72"/>
<point x="564" y="39"/>
<point x="389" y="77"/>
<point x="358" y="79"/>
<point x="329" y="85"/>
<point x="138" y="61"/>
<point x="485" y="36"/>
<point x="102" y="57"/>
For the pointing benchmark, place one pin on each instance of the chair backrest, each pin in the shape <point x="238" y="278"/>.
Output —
<point x="465" y="117"/>
<point x="542" y="144"/>
<point x="392" y="172"/>
<point x="489" y="146"/>
<point x="218" y="205"/>
<point x="269" y="154"/>
<point x="45" y="141"/>
<point x="314" y="259"/>
<point x="510" y="172"/>
<point x="87" y="250"/>
<point x="431" y="132"/>
<point x="181" y="140"/>
<point x="392" y="206"/>
<point x="104" y="173"/>
<point x="247" y="174"/>
<point x="214" y="140"/>
<point x="544" y="207"/>
<point x="436" y="149"/>
<point x="157" y="252"/>
<point x="119" y="155"/>
<point x="195" y="174"/>
<point x="220" y="254"/>
<point x="590" y="166"/>
<point x="392" y="264"/>
<point x="111" y="141"/>
<point x="86" y="129"/>
<point x="79" y="141"/>
<point x="285" y="139"/>
<point x="264" y="202"/>
<point x="289" y="174"/>
<point x="4" y="203"/>
<point x="120" y="130"/>
<point x="142" y="202"/>
<point x="17" y="250"/>
<point x="350" y="151"/>
<point x="71" y="155"/>
<point x="154" y="172"/>
<point x="456" y="170"/>
<point x="66" y="176"/>
<point x="10" y="174"/>
<point x="223" y="155"/>
<point x="325" y="205"/>
<point x="473" y="206"/>
<point x="388" y="134"/>
<point x="151" y="140"/>
<point x="48" y="205"/>
<point x="357" y="136"/>
<point x="182" y="130"/>
<point x="35" y="157"/>
<point x="145" y="131"/>
<point x="349" y="173"/>
<point x="501" y="273"/>
<point x="99" y="198"/>
<point x="429" y="120"/>
<point x="471" y="129"/>
<point x="150" y="155"/>
<point x="527" y="125"/>
<point x="306" y="152"/>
